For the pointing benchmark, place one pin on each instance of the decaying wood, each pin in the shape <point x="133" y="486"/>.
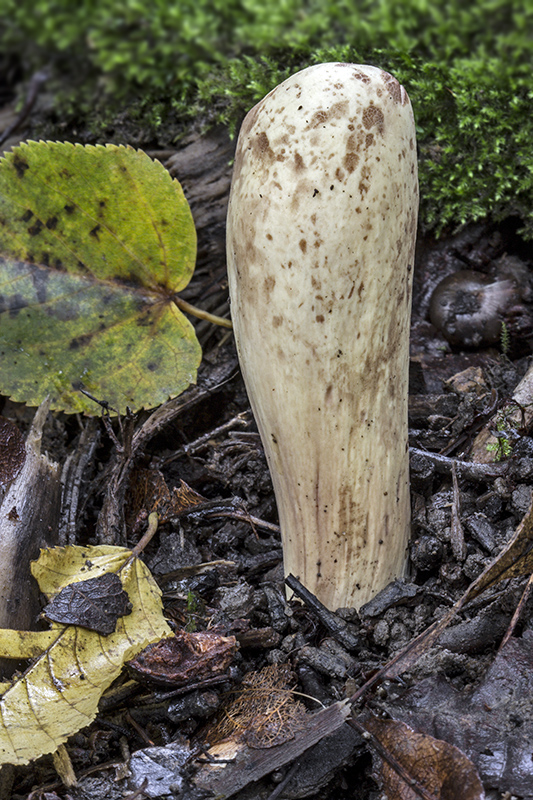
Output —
<point x="28" y="521"/>
<point x="517" y="413"/>
<point x="73" y="474"/>
<point x="203" y="166"/>
<point x="249" y="765"/>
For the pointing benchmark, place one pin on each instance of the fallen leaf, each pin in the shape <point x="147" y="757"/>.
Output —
<point x="185" y="658"/>
<point x="12" y="451"/>
<point x="94" y="244"/>
<point x="96" y="604"/>
<point x="438" y="768"/>
<point x="60" y="691"/>
<point x="493" y="725"/>
<point x="148" y="491"/>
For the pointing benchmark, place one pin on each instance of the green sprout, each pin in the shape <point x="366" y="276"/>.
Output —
<point x="505" y="340"/>
<point x="505" y="431"/>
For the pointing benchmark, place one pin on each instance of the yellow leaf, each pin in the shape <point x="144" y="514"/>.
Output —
<point x="59" y="693"/>
<point x="24" y="644"/>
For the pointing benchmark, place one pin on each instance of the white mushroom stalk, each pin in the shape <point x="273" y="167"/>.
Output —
<point x="320" y="246"/>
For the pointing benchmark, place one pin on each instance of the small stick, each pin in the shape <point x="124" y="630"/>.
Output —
<point x="337" y="627"/>
<point x="456" y="535"/>
<point x="153" y="521"/>
<point x="199" y="313"/>
<point x="198" y="444"/>
<point x="517" y="613"/>
<point x="469" y="470"/>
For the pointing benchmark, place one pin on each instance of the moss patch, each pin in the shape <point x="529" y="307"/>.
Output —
<point x="163" y="63"/>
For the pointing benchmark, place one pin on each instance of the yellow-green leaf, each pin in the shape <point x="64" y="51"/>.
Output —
<point x="94" y="244"/>
<point x="59" y="693"/>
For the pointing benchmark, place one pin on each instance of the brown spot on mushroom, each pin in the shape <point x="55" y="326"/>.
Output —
<point x="339" y="174"/>
<point x="373" y="116"/>
<point x="395" y="89"/>
<point x="361" y="77"/>
<point x="298" y="162"/>
<point x="261" y="145"/>
<point x="364" y="183"/>
<point x="319" y="318"/>
<point x="269" y="283"/>
<point x="350" y="161"/>
<point x="369" y="140"/>
<point x="318" y="118"/>
<point x="303" y="245"/>
<point x="277" y="321"/>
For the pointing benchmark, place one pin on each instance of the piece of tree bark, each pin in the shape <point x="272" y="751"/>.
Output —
<point x="516" y="413"/>
<point x="247" y="765"/>
<point x="28" y="521"/>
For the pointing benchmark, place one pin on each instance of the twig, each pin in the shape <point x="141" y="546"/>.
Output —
<point x="457" y="537"/>
<point x="518" y="611"/>
<point x="337" y="627"/>
<point x="288" y="777"/>
<point x="202" y="441"/>
<point x="153" y="521"/>
<point x="466" y="469"/>
<point x="199" y="313"/>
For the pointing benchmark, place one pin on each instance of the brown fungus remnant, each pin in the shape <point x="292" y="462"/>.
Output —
<point x="468" y="307"/>
<point x="340" y="467"/>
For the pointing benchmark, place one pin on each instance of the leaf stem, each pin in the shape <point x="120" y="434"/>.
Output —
<point x="153" y="521"/>
<point x="201" y="314"/>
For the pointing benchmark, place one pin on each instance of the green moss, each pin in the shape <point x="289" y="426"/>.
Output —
<point x="465" y="66"/>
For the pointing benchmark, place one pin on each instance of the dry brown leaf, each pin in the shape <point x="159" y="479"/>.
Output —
<point x="185" y="658"/>
<point x="415" y="765"/>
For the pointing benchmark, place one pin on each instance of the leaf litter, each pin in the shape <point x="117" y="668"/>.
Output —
<point x="59" y="693"/>
<point x="95" y="604"/>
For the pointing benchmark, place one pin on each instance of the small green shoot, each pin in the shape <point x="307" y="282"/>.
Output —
<point x="505" y="340"/>
<point x="505" y="431"/>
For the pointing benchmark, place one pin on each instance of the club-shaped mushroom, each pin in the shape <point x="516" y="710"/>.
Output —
<point x="320" y="247"/>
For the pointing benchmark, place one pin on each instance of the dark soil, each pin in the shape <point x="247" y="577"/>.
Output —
<point x="211" y="443"/>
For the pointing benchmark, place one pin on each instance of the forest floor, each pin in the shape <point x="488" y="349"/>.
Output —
<point x="463" y="688"/>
